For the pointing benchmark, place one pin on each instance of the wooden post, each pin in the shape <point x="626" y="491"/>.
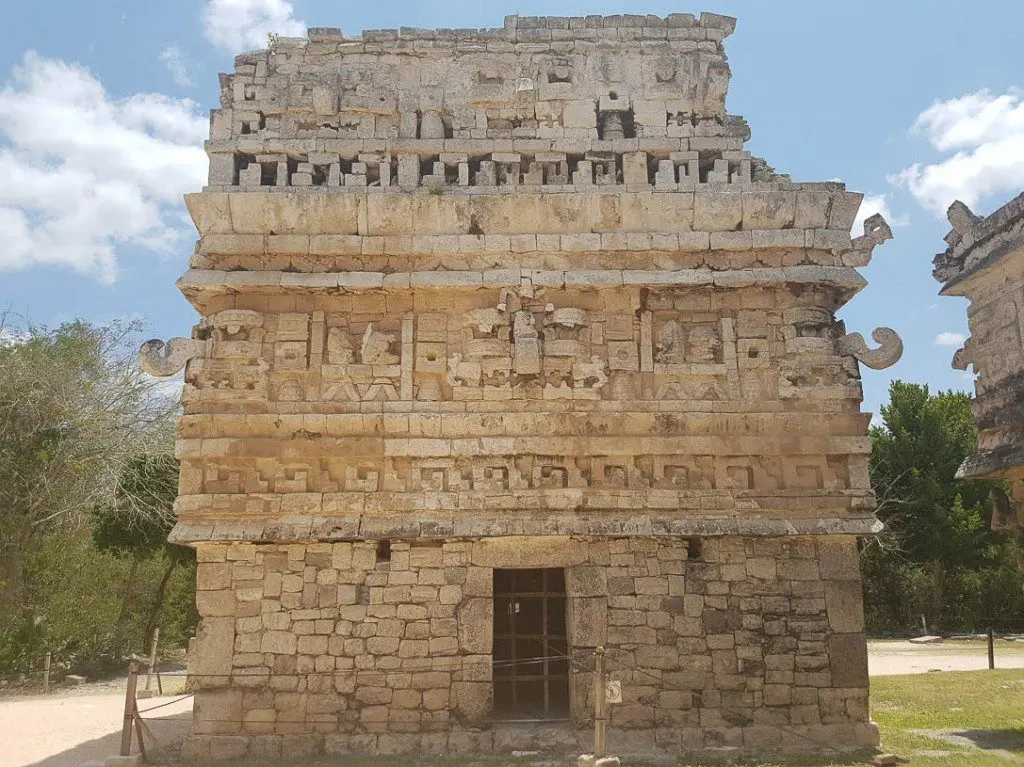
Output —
<point x="991" y="648"/>
<point x="600" y="707"/>
<point x="140" y="725"/>
<point x="129" y="708"/>
<point x="46" y="675"/>
<point x="152" y="657"/>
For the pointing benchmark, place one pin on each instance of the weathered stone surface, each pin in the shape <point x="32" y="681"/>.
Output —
<point x="844" y="600"/>
<point x="985" y="264"/>
<point x="214" y="646"/>
<point x="474" y="616"/>
<point x="849" y="657"/>
<point x="486" y="300"/>
<point x="588" y="621"/>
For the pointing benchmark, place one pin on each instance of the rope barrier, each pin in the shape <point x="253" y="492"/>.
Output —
<point x="457" y="662"/>
<point x="168" y="703"/>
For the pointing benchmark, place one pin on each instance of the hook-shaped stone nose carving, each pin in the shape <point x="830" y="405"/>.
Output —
<point x="165" y="359"/>
<point x="889" y="351"/>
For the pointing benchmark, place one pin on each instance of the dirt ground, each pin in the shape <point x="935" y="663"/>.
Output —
<point x="899" y="657"/>
<point x="81" y="726"/>
<point x="80" y="729"/>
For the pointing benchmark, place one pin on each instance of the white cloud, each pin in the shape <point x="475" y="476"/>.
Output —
<point x="947" y="338"/>
<point x="237" y="25"/>
<point x="986" y="134"/>
<point x="174" y="60"/>
<point x="11" y="339"/>
<point x="872" y="204"/>
<point x="84" y="173"/>
<point x="167" y="389"/>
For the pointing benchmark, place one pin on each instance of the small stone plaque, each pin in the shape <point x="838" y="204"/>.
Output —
<point x="613" y="692"/>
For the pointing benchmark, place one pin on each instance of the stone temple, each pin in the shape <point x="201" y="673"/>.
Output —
<point x="984" y="263"/>
<point x="509" y="350"/>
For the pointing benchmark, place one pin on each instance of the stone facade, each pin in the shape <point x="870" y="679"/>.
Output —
<point x="985" y="264"/>
<point x="488" y="305"/>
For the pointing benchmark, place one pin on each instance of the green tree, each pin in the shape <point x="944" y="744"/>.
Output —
<point x="136" y="524"/>
<point x="932" y="519"/>
<point x="74" y="406"/>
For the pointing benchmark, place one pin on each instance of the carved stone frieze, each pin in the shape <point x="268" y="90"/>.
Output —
<point x="497" y="474"/>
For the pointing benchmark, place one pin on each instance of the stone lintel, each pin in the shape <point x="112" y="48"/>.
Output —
<point x="632" y="420"/>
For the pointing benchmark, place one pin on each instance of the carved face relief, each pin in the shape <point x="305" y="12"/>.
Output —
<point x="560" y="73"/>
<point x="704" y="344"/>
<point x="489" y="75"/>
<point x="235" y="324"/>
<point x="665" y="71"/>
<point x="290" y="390"/>
<point x="671" y="346"/>
<point x="376" y="348"/>
<point x="339" y="347"/>
<point x="526" y="349"/>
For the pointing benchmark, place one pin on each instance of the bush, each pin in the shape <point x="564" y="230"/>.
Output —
<point x="74" y="594"/>
<point x="179" y="617"/>
<point x="897" y="593"/>
<point x="977" y="599"/>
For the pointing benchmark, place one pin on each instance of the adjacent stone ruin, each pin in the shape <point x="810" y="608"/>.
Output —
<point x="509" y="350"/>
<point x="985" y="264"/>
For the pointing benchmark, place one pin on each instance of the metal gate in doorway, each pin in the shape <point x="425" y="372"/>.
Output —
<point x="531" y="670"/>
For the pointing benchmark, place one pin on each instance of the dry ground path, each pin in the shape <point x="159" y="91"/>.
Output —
<point x="82" y="726"/>
<point x="899" y="657"/>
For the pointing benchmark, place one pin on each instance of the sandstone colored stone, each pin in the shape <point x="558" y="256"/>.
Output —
<point x="514" y="310"/>
<point x="215" y="603"/>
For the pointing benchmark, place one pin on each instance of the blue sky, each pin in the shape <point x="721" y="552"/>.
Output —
<point x="103" y="105"/>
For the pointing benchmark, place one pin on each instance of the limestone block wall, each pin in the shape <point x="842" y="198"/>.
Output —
<point x="478" y="300"/>
<point x="749" y="642"/>
<point x="387" y="233"/>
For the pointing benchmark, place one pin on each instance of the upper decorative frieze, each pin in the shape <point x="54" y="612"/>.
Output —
<point x="485" y="107"/>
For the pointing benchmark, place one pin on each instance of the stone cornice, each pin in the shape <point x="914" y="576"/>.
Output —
<point x="200" y="285"/>
<point x="976" y="243"/>
<point x="420" y="525"/>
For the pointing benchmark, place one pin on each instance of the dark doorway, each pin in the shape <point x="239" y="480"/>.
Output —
<point x="531" y="667"/>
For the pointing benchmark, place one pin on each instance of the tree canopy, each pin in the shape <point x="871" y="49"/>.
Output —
<point x="933" y="521"/>
<point x="85" y="441"/>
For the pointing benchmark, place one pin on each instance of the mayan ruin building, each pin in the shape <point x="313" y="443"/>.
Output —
<point x="984" y="263"/>
<point x="509" y="350"/>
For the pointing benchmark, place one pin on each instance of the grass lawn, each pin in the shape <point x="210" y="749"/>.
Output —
<point x="986" y="705"/>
